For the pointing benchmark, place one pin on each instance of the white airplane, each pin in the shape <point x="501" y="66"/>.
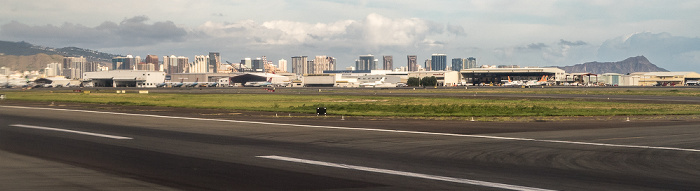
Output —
<point x="542" y="81"/>
<point x="373" y="84"/>
<point x="267" y="83"/>
<point x="512" y="83"/>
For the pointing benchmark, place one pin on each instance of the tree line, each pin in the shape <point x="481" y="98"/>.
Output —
<point x="427" y="81"/>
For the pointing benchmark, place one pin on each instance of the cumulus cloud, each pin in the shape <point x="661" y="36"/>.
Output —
<point x="372" y="32"/>
<point x="456" y="30"/>
<point x="563" y="42"/>
<point x="130" y="32"/>
<point x="560" y="53"/>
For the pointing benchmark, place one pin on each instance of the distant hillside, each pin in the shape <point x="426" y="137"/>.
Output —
<point x="29" y="63"/>
<point x="26" y="56"/>
<point x="629" y="65"/>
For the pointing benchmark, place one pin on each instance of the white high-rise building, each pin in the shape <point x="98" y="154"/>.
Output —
<point x="200" y="64"/>
<point x="282" y="65"/>
<point x="53" y="69"/>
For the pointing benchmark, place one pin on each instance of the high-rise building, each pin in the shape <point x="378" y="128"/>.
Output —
<point x="153" y="59"/>
<point x="247" y="63"/>
<point x="258" y="65"/>
<point x="146" y="66"/>
<point x="366" y="62"/>
<point x="91" y="67"/>
<point x="264" y="61"/>
<point x="73" y="67"/>
<point x="310" y="66"/>
<point x="125" y="63"/>
<point x="412" y="63"/>
<point x="438" y="62"/>
<point x="182" y="64"/>
<point x="214" y="63"/>
<point x="428" y="65"/>
<point x="388" y="62"/>
<point x="171" y="64"/>
<point x="322" y="63"/>
<point x="457" y="64"/>
<point x="53" y="69"/>
<point x="469" y="63"/>
<point x="200" y="64"/>
<point x="166" y="65"/>
<point x="117" y="62"/>
<point x="282" y="65"/>
<point x="299" y="65"/>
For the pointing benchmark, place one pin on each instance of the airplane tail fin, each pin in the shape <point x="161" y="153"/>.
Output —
<point x="509" y="79"/>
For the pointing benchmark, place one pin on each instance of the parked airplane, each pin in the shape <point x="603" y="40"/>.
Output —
<point x="512" y="83"/>
<point x="373" y="84"/>
<point x="542" y="81"/>
<point x="194" y="84"/>
<point x="267" y="83"/>
<point x="257" y="84"/>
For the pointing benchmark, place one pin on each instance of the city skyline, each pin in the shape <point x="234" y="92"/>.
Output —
<point x="526" y="33"/>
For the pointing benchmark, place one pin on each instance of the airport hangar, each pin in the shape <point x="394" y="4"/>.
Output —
<point x="231" y="79"/>
<point x="124" y="78"/>
<point x="476" y="76"/>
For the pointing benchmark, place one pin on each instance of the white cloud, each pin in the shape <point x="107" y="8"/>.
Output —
<point x="374" y="31"/>
<point x="130" y="32"/>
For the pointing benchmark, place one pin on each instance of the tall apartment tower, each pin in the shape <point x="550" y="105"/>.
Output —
<point x="439" y="62"/>
<point x="412" y="63"/>
<point x="200" y="64"/>
<point x="214" y="62"/>
<point x="366" y="62"/>
<point x="282" y="65"/>
<point x="457" y="64"/>
<point x="53" y="69"/>
<point x="73" y="67"/>
<point x="428" y="65"/>
<point x="388" y="62"/>
<point x="469" y="63"/>
<point x="182" y="64"/>
<point x="153" y="59"/>
<point x="310" y="67"/>
<point x="299" y="65"/>
<point x="322" y="63"/>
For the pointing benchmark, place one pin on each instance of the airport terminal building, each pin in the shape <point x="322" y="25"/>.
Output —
<point x="477" y="76"/>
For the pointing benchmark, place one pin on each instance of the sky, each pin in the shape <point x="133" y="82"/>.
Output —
<point x="495" y="32"/>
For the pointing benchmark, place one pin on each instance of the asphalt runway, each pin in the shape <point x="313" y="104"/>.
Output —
<point x="188" y="152"/>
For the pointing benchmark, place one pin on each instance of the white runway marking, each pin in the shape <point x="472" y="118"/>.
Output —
<point x="370" y="129"/>
<point x="70" y="131"/>
<point x="408" y="174"/>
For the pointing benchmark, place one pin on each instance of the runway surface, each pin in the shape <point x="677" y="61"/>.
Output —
<point x="160" y="151"/>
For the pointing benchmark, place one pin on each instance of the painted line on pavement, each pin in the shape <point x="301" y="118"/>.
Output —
<point x="70" y="131"/>
<point x="407" y="174"/>
<point x="369" y="129"/>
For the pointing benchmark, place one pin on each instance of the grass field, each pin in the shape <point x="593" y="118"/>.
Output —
<point x="656" y="91"/>
<point x="365" y="105"/>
